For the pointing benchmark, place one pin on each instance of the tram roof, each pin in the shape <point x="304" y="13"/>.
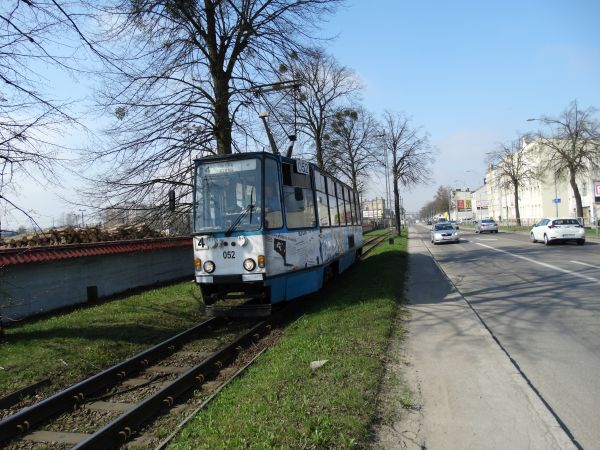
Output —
<point x="268" y="154"/>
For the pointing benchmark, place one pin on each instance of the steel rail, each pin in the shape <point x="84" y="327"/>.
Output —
<point x="28" y="418"/>
<point x="12" y="399"/>
<point x="117" y="432"/>
<point x="378" y="240"/>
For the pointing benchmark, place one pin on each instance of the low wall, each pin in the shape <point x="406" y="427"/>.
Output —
<point x="39" y="280"/>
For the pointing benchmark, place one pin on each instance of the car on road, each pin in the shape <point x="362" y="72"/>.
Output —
<point x="558" y="229"/>
<point x="454" y="223"/>
<point x="486" y="225"/>
<point x="444" y="232"/>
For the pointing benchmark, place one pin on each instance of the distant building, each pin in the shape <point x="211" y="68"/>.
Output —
<point x="461" y="205"/>
<point x="373" y="210"/>
<point x="480" y="203"/>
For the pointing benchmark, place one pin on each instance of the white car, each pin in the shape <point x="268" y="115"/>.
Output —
<point x="558" y="229"/>
<point x="444" y="232"/>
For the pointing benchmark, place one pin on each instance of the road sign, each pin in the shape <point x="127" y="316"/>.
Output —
<point x="556" y="200"/>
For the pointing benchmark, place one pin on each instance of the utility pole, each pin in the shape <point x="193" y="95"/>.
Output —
<point x="82" y="224"/>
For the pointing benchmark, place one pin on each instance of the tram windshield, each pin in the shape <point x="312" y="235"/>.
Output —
<point x="228" y="196"/>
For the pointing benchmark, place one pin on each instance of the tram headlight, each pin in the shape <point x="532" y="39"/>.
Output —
<point x="249" y="264"/>
<point x="209" y="267"/>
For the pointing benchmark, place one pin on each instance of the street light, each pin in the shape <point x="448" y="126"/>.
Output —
<point x="387" y="185"/>
<point x="555" y="196"/>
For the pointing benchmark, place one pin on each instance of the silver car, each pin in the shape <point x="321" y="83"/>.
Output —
<point x="444" y="232"/>
<point x="488" y="225"/>
<point x="558" y="230"/>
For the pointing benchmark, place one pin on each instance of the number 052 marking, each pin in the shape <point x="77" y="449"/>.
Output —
<point x="230" y="254"/>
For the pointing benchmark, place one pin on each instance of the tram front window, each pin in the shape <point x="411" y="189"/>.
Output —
<point x="228" y="196"/>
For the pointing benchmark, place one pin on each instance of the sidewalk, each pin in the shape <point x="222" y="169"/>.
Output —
<point x="466" y="392"/>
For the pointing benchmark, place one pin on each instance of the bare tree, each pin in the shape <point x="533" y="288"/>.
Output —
<point x="513" y="168"/>
<point x="190" y="73"/>
<point x="353" y="140"/>
<point x="439" y="204"/>
<point x="573" y="141"/>
<point x="33" y="36"/>
<point x="324" y="85"/>
<point x="410" y="153"/>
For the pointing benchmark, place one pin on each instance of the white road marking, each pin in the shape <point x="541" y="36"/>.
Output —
<point x="585" y="264"/>
<point x="549" y="266"/>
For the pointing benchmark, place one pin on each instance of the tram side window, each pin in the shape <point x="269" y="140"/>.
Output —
<point x="354" y="210"/>
<point x="358" y="209"/>
<point x="349" y="215"/>
<point x="298" y="198"/>
<point x="273" y="214"/>
<point x="340" y="197"/>
<point x="333" y="207"/>
<point x="321" y="194"/>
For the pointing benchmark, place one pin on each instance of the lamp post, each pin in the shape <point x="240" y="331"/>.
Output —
<point x="82" y="211"/>
<point x="387" y="183"/>
<point x="555" y="196"/>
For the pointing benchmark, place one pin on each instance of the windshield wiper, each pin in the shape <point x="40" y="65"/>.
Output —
<point x="236" y="222"/>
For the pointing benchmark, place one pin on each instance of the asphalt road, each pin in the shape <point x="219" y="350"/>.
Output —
<point x="542" y="305"/>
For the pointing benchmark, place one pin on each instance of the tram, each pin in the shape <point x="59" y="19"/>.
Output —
<point x="268" y="229"/>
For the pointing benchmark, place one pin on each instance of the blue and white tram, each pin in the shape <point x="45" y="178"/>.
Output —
<point x="270" y="228"/>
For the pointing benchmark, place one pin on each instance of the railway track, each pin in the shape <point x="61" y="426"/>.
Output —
<point x="116" y="406"/>
<point x="106" y="410"/>
<point x="374" y="241"/>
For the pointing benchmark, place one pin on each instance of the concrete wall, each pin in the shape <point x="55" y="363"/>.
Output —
<point x="39" y="287"/>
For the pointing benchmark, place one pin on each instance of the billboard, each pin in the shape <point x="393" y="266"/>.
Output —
<point x="463" y="205"/>
<point x="597" y="191"/>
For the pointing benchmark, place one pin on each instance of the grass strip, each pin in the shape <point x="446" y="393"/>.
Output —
<point x="281" y="403"/>
<point x="67" y="347"/>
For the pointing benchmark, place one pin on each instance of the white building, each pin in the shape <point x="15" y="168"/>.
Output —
<point x="480" y="203"/>
<point x="550" y="196"/>
<point x="461" y="207"/>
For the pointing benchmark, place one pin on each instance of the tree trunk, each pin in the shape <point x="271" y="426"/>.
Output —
<point x="222" y="130"/>
<point x="397" y="204"/>
<point x="576" y="193"/>
<point x="319" y="151"/>
<point x="517" y="212"/>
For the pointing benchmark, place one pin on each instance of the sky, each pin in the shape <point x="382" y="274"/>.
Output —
<point x="470" y="73"/>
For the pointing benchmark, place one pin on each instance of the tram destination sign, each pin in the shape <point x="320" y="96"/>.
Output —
<point x="230" y="166"/>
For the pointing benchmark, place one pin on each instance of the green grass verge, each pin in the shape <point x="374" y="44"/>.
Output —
<point x="592" y="232"/>
<point x="513" y="228"/>
<point x="281" y="403"/>
<point x="69" y="346"/>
